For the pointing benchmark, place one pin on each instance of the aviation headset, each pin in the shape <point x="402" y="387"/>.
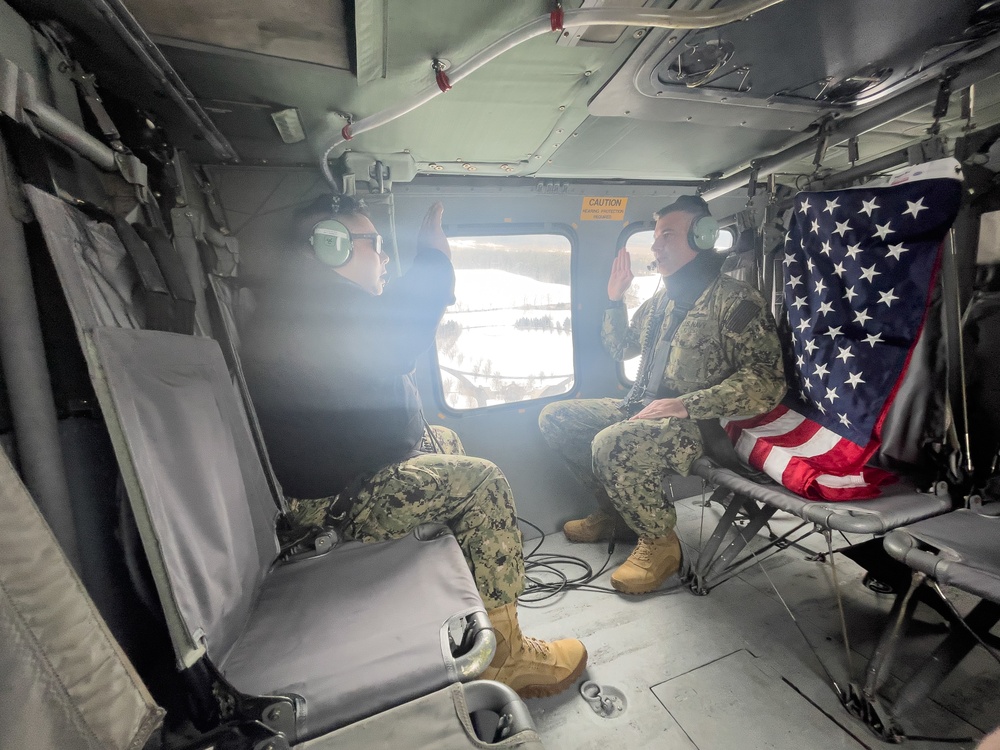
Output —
<point x="704" y="229"/>
<point x="332" y="243"/>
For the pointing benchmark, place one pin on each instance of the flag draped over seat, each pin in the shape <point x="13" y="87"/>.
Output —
<point x="858" y="269"/>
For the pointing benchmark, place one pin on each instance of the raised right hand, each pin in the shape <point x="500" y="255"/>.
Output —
<point x="621" y="275"/>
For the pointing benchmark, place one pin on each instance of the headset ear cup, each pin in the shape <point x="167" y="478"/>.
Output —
<point x="331" y="241"/>
<point x="703" y="233"/>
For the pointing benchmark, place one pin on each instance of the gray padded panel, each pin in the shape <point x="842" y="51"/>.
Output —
<point x="224" y="296"/>
<point x="96" y="274"/>
<point x="899" y="504"/>
<point x="968" y="551"/>
<point x="439" y="721"/>
<point x="201" y="479"/>
<point x="349" y="631"/>
<point x="64" y="681"/>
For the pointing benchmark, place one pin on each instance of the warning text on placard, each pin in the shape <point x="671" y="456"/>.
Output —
<point x="603" y="208"/>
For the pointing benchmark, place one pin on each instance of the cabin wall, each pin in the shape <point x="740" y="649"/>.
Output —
<point x="259" y="202"/>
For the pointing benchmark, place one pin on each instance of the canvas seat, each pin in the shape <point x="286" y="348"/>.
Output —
<point x="82" y="692"/>
<point x="333" y="638"/>
<point x="958" y="549"/>
<point x="900" y="503"/>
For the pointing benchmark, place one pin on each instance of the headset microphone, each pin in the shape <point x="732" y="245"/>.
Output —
<point x="653" y="266"/>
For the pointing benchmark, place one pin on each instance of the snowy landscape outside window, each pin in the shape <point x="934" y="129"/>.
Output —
<point x="509" y="335"/>
<point x="645" y="284"/>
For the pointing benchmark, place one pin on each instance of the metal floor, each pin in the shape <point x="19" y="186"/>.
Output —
<point x="730" y="671"/>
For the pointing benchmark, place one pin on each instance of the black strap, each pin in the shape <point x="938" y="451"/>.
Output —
<point x="665" y="345"/>
<point x="648" y="382"/>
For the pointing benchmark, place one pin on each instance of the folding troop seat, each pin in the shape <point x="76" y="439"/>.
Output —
<point x="958" y="549"/>
<point x="784" y="442"/>
<point x="303" y="645"/>
<point x="78" y="691"/>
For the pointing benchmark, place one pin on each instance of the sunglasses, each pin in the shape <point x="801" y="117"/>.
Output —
<point x="375" y="237"/>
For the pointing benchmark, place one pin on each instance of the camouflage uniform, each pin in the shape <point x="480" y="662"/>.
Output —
<point x="470" y="495"/>
<point x="725" y="360"/>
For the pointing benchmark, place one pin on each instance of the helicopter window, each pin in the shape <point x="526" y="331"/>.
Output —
<point x="508" y="337"/>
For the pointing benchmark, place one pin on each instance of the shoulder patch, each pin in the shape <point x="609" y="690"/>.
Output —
<point x="741" y="316"/>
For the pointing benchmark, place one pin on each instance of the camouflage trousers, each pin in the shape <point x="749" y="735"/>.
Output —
<point x="624" y="463"/>
<point x="470" y="495"/>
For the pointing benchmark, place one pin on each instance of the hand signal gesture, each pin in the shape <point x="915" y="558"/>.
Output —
<point x="621" y="275"/>
<point x="431" y="233"/>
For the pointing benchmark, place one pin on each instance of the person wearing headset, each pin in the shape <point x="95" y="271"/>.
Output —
<point x="329" y="357"/>
<point x="709" y="349"/>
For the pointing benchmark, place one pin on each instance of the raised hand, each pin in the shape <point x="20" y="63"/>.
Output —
<point x="431" y="233"/>
<point x="621" y="275"/>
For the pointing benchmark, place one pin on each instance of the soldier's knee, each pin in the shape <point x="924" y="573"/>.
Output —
<point x="603" y="449"/>
<point x="548" y="420"/>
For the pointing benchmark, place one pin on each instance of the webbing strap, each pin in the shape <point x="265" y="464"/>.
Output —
<point x="665" y="345"/>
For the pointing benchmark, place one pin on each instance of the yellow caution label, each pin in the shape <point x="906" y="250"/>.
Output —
<point x="603" y="208"/>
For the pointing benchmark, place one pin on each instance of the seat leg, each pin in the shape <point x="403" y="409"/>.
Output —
<point x="946" y="657"/>
<point x="705" y="556"/>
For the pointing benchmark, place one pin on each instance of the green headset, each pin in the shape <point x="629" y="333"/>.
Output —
<point x="703" y="233"/>
<point x="704" y="230"/>
<point x="332" y="243"/>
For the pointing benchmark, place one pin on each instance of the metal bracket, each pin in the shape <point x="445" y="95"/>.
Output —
<point x="606" y="702"/>
<point x="853" y="152"/>
<point x="752" y="185"/>
<point x="823" y="140"/>
<point x="943" y="97"/>
<point x="380" y="175"/>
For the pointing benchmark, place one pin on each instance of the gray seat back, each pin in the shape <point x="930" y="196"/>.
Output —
<point x="200" y="497"/>
<point x="66" y="682"/>
<point x="225" y="299"/>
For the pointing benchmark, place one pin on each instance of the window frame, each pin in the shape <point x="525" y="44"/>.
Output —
<point x="513" y="230"/>
<point x="631" y="229"/>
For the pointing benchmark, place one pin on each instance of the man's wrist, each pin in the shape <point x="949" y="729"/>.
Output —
<point x="613" y="303"/>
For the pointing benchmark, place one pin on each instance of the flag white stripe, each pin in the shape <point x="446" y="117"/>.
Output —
<point x="834" y="482"/>
<point x="785" y="423"/>
<point x="779" y="458"/>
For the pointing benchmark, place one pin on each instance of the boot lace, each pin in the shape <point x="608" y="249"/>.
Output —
<point x="643" y="551"/>
<point x="539" y="647"/>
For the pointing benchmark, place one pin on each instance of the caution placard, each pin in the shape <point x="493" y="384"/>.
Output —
<point x="603" y="208"/>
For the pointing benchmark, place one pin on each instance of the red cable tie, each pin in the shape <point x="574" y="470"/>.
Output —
<point x="346" y="132"/>
<point x="442" y="80"/>
<point x="556" y="18"/>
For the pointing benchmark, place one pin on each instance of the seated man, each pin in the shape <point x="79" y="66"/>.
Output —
<point x="329" y="360"/>
<point x="709" y="349"/>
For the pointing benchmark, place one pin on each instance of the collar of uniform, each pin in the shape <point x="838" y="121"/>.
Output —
<point x="694" y="277"/>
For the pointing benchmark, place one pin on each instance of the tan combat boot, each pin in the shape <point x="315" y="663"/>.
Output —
<point x="533" y="668"/>
<point x="651" y="563"/>
<point x="594" y="528"/>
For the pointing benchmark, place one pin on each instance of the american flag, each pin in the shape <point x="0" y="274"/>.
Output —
<point x="858" y="269"/>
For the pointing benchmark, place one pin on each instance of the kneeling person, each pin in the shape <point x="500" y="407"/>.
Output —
<point x="329" y="360"/>
<point x="709" y="349"/>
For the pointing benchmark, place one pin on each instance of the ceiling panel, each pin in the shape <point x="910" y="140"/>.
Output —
<point x="309" y="30"/>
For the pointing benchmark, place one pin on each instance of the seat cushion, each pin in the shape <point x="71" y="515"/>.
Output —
<point x="899" y="504"/>
<point x="357" y="631"/>
<point x="966" y="551"/>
